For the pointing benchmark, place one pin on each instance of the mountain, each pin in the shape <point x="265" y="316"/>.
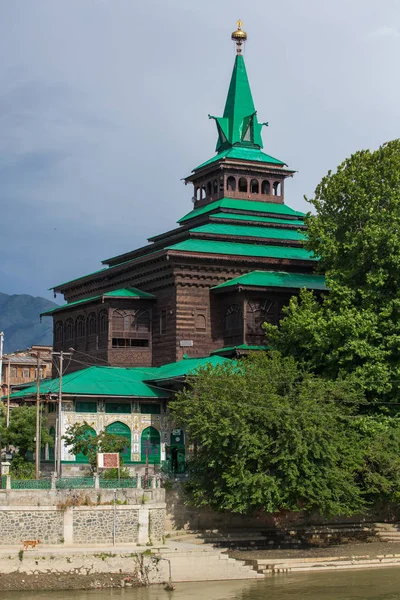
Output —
<point x="20" y="321"/>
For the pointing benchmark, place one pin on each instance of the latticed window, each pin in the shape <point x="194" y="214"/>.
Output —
<point x="91" y="324"/>
<point x="80" y="327"/>
<point x="103" y="321"/>
<point x="234" y="324"/>
<point x="259" y="311"/>
<point x="130" y="328"/>
<point x="69" y="329"/>
<point x="59" y="332"/>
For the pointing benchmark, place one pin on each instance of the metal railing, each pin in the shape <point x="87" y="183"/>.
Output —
<point x="30" y="484"/>
<point x="74" y="483"/>
<point x="130" y="482"/>
<point x="79" y="483"/>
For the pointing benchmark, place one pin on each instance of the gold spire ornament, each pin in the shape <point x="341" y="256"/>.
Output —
<point x="239" y="37"/>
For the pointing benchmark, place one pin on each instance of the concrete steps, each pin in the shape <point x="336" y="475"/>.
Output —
<point x="270" y="567"/>
<point x="199" y="563"/>
<point x="388" y="532"/>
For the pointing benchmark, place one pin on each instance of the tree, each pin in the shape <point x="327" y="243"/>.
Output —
<point x="356" y="235"/>
<point x="270" y="436"/>
<point x="81" y="441"/>
<point x="21" y="431"/>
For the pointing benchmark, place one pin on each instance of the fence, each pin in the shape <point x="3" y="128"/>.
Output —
<point x="76" y="483"/>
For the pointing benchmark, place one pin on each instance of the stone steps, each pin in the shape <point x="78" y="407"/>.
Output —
<point x="269" y="567"/>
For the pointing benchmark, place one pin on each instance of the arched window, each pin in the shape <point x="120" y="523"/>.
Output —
<point x="231" y="184"/>
<point x="200" y="323"/>
<point x="58" y="332"/>
<point x="69" y="330"/>
<point x="259" y="311"/>
<point x="243" y="184"/>
<point x="80" y="327"/>
<point x="91" y="324"/>
<point x="142" y="321"/>
<point x="221" y="183"/>
<point x="215" y="186"/>
<point x="122" y="430"/>
<point x="233" y="320"/>
<point x="277" y="188"/>
<point x="265" y="187"/>
<point x="254" y="186"/>
<point x="197" y="193"/>
<point x="150" y="445"/>
<point x="203" y="192"/>
<point x="130" y="328"/>
<point x="118" y="320"/>
<point x="103" y="321"/>
<point x="209" y="188"/>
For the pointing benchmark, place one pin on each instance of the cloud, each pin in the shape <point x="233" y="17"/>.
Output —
<point x="385" y="31"/>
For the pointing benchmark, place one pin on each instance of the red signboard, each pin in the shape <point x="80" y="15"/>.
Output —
<point x="108" y="460"/>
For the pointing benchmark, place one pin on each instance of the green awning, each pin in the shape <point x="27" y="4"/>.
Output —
<point x="276" y="279"/>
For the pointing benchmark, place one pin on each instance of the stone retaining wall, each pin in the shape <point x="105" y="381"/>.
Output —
<point x="82" y="524"/>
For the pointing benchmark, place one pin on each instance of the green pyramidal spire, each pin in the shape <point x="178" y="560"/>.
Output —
<point x="239" y="126"/>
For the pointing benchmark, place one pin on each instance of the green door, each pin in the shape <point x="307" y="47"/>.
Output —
<point x="122" y="430"/>
<point x="81" y="458"/>
<point x="150" y="443"/>
<point x="177" y="451"/>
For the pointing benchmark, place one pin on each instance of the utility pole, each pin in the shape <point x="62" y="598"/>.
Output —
<point x="62" y="355"/>
<point x="1" y="356"/>
<point x="8" y="392"/>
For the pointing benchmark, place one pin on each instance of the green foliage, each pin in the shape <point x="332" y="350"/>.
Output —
<point x="79" y="438"/>
<point x="21" y="469"/>
<point x="113" y="474"/>
<point x="21" y="432"/>
<point x="271" y="437"/>
<point x="356" y="234"/>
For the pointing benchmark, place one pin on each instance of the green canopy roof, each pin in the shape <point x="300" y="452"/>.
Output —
<point x="242" y="249"/>
<point x="184" y="367"/>
<point x="276" y="279"/>
<point x="243" y="205"/>
<point x="272" y="220"/>
<point x="250" y="231"/>
<point x="238" y="153"/>
<point x="122" y="293"/>
<point x="100" y="381"/>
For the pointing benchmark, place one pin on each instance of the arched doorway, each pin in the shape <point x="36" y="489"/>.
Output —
<point x="81" y="458"/>
<point x="122" y="430"/>
<point x="177" y="451"/>
<point x="150" y="442"/>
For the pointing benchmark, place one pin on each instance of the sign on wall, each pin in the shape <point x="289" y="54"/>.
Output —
<point x="108" y="460"/>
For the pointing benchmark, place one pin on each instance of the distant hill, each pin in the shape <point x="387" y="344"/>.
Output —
<point x="20" y="321"/>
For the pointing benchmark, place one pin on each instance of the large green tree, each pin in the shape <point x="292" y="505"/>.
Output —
<point x="21" y="431"/>
<point x="272" y="437"/>
<point x="356" y="235"/>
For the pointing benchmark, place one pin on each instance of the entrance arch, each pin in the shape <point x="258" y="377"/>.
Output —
<point x="81" y="458"/>
<point x="150" y="434"/>
<point x="120" y="429"/>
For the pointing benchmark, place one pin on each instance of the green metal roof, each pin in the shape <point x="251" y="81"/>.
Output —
<point x="250" y="231"/>
<point x="100" y="381"/>
<point x="120" y="381"/>
<point x="187" y="366"/>
<point x="242" y="249"/>
<point x="237" y="217"/>
<point x="122" y="293"/>
<point x="276" y="279"/>
<point x="240" y="347"/>
<point x="239" y="153"/>
<point x="245" y="205"/>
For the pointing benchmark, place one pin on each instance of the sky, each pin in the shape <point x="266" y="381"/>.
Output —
<point x="104" y="104"/>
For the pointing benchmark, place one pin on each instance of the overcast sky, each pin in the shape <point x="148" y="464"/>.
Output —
<point x="104" y="103"/>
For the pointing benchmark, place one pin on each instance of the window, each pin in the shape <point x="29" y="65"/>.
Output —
<point x="51" y="407"/>
<point x="201" y="324"/>
<point x="91" y="324"/>
<point x="243" y="184"/>
<point x="163" y="321"/>
<point x="69" y="330"/>
<point x="265" y="187"/>
<point x="150" y="409"/>
<point x="277" y="188"/>
<point x="118" y="407"/>
<point x="85" y="407"/>
<point x="26" y="373"/>
<point x="80" y="327"/>
<point x="13" y="372"/>
<point x="58" y="332"/>
<point x="259" y="311"/>
<point x="254" y="186"/>
<point x="231" y="184"/>
<point x="41" y="374"/>
<point x="129" y="343"/>
<point x="103" y="321"/>
<point x="234" y="324"/>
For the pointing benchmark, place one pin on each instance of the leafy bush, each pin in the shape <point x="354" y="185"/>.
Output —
<point x="21" y="469"/>
<point x="113" y="473"/>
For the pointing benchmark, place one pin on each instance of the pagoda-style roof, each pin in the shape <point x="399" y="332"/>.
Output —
<point x="130" y="293"/>
<point x="239" y="153"/>
<point x="273" y="279"/>
<point x="244" y="206"/>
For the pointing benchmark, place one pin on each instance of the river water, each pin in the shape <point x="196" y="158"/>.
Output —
<point x="372" y="584"/>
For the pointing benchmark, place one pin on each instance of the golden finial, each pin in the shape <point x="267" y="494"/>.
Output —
<point x="239" y="36"/>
